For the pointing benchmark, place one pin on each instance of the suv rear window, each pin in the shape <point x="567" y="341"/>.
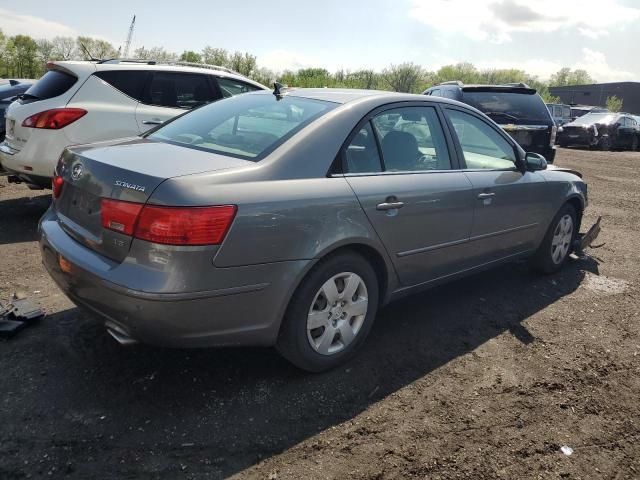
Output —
<point x="52" y="84"/>
<point x="129" y="82"/>
<point x="508" y="107"/>
<point x="247" y="126"/>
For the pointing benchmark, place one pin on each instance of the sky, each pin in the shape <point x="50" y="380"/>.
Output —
<point x="539" y="36"/>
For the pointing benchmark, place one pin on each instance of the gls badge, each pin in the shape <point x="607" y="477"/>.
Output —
<point x="130" y="186"/>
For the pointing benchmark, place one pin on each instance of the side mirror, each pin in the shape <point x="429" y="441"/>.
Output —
<point x="535" y="161"/>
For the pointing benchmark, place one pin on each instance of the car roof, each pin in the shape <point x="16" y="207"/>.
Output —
<point x="88" y="67"/>
<point x="346" y="95"/>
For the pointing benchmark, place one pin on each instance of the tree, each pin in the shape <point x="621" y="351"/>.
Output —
<point x="243" y="63"/>
<point x="45" y="49"/>
<point x="64" y="48"/>
<point x="24" y="56"/>
<point x="614" y="104"/>
<point x="159" y="54"/>
<point x="565" y="77"/>
<point x="215" y="56"/>
<point x="405" y="77"/>
<point x="190" y="56"/>
<point x="95" y="48"/>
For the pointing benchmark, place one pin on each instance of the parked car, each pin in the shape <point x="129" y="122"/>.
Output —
<point x="605" y="131"/>
<point x="518" y="109"/>
<point x="287" y="219"/>
<point x="84" y="102"/>
<point x="560" y="113"/>
<point x="8" y="93"/>
<point x="578" y="111"/>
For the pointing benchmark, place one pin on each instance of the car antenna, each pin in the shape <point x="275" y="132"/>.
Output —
<point x="86" y="50"/>
<point x="278" y="90"/>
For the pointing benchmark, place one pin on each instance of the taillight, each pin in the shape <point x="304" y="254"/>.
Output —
<point x="168" y="225"/>
<point x="56" y="185"/>
<point x="554" y="133"/>
<point x="55" y="118"/>
<point x="185" y="225"/>
<point x="119" y="216"/>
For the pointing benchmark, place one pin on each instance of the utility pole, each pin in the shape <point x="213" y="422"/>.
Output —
<point x="127" y="44"/>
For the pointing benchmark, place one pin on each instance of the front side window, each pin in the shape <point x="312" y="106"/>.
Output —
<point x="411" y="139"/>
<point x="482" y="146"/>
<point x="230" y="87"/>
<point x="178" y="90"/>
<point x="246" y="126"/>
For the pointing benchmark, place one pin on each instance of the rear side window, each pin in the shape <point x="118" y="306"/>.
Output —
<point x="230" y="87"/>
<point x="52" y="84"/>
<point x="246" y="126"/>
<point x="178" y="90"/>
<point x="129" y="82"/>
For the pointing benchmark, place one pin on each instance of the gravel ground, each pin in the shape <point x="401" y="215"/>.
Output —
<point x="487" y="377"/>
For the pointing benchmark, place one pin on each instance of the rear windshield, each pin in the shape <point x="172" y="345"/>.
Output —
<point x="248" y="126"/>
<point x="591" y="118"/>
<point x="52" y="84"/>
<point x="505" y="107"/>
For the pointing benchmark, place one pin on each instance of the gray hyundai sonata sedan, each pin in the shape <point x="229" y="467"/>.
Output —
<point x="289" y="218"/>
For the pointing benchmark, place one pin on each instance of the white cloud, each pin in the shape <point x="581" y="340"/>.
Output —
<point x="495" y="20"/>
<point x="13" y="23"/>
<point x="592" y="61"/>
<point x="279" y="60"/>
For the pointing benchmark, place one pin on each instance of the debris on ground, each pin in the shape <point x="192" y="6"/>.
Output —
<point x="566" y="450"/>
<point x="17" y="315"/>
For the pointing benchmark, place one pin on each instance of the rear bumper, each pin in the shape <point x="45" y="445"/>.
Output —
<point x="38" y="157"/>
<point x="240" y="313"/>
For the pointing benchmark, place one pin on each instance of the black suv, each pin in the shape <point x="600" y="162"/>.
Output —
<point x="516" y="107"/>
<point x="8" y="93"/>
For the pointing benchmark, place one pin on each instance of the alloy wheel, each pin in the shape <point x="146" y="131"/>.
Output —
<point x="562" y="238"/>
<point x="337" y="313"/>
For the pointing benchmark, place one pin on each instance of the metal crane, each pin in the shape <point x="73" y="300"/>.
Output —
<point x="127" y="44"/>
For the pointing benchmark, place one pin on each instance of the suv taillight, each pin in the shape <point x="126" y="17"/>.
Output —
<point x="54" y="119"/>
<point x="169" y="225"/>
<point x="554" y="133"/>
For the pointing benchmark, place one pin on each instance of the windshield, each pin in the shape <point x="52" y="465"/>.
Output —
<point x="506" y="107"/>
<point x="248" y="126"/>
<point x="591" y="118"/>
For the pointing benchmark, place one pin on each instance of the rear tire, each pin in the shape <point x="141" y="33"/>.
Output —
<point x="605" y="144"/>
<point x="330" y="314"/>
<point x="558" y="242"/>
<point x="634" y="144"/>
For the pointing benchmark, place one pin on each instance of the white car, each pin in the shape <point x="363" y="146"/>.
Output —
<point x="85" y="102"/>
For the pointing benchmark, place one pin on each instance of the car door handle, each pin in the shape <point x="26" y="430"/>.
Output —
<point x="486" y="195"/>
<point x="152" y="122"/>
<point x="389" y="205"/>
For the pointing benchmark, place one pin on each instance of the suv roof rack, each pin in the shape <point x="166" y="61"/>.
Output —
<point x="171" y="63"/>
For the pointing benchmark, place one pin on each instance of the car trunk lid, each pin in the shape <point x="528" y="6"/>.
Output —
<point x="127" y="171"/>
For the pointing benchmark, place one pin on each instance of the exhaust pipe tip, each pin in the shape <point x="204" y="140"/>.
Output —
<point x="120" y="335"/>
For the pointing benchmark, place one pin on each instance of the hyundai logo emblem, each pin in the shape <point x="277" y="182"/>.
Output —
<point x="76" y="171"/>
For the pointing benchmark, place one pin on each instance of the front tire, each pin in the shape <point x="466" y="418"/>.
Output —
<point x="330" y="314"/>
<point x="605" y="144"/>
<point x="558" y="242"/>
<point x="634" y="144"/>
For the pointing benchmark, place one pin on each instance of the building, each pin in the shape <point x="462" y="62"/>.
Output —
<point x="596" y="94"/>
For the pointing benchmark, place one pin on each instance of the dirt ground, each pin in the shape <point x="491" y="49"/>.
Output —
<point x="487" y="377"/>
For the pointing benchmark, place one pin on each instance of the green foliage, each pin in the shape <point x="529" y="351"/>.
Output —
<point x="565" y="77"/>
<point x="614" y="104"/>
<point x="190" y="56"/>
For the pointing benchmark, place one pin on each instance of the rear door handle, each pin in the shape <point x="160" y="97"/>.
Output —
<point x="152" y="122"/>
<point x="389" y="205"/>
<point x="486" y="195"/>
